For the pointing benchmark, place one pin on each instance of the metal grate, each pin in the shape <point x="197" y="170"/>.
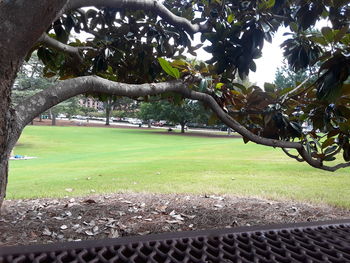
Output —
<point x="306" y="242"/>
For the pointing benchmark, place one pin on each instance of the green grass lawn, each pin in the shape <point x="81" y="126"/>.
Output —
<point x="113" y="160"/>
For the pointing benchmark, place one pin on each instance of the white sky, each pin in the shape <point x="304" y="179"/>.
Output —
<point x="272" y="58"/>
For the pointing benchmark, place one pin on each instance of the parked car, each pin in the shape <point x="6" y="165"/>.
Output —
<point x="135" y="121"/>
<point x="160" y="123"/>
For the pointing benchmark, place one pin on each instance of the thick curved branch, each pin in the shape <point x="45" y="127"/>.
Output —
<point x="66" y="89"/>
<point x="44" y="100"/>
<point x="148" y="5"/>
<point x="73" y="51"/>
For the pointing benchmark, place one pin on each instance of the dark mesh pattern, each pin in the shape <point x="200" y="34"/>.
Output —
<point x="311" y="242"/>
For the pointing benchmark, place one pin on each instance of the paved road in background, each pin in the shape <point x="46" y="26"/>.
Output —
<point x="144" y="126"/>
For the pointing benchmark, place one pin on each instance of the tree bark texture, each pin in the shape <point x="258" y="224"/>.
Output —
<point x="3" y="178"/>
<point x="20" y="28"/>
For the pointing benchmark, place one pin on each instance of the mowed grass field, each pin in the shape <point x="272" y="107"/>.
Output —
<point x="99" y="160"/>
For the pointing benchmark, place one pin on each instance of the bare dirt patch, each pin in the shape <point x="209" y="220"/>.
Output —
<point x="97" y="217"/>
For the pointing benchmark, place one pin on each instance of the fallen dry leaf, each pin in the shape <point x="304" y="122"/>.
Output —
<point x="47" y="232"/>
<point x="89" y="233"/>
<point x="90" y="201"/>
<point x="113" y="233"/>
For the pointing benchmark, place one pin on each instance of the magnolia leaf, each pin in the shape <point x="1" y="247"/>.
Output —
<point x="230" y="18"/>
<point x="327" y="33"/>
<point x="240" y="86"/>
<point x="269" y="87"/>
<point x="331" y="149"/>
<point x="245" y="140"/>
<point x="294" y="27"/>
<point x="219" y="85"/>
<point x="328" y="142"/>
<point x="340" y="33"/>
<point x="174" y="72"/>
<point x="266" y="4"/>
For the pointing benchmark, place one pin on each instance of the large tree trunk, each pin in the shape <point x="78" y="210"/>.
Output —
<point x="3" y="177"/>
<point x="5" y="122"/>
<point x="9" y="132"/>
<point x="20" y="28"/>
<point x="8" y="71"/>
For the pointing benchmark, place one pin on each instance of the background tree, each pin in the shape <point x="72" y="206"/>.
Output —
<point x="128" y="38"/>
<point x="30" y="81"/>
<point x="108" y="106"/>
<point x="286" y="78"/>
<point x="187" y="111"/>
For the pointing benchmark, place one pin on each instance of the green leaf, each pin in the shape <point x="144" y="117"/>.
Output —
<point x="285" y="91"/>
<point x="240" y="86"/>
<point x="266" y="4"/>
<point x="308" y="148"/>
<point x="270" y="3"/>
<point x="327" y="33"/>
<point x="219" y="85"/>
<point x="341" y="33"/>
<point x="328" y="142"/>
<point x="331" y="149"/>
<point x="245" y="140"/>
<point x="329" y="158"/>
<point x="178" y="63"/>
<point x="294" y="27"/>
<point x="174" y="72"/>
<point x="297" y="128"/>
<point x="319" y="40"/>
<point x="230" y="18"/>
<point x="268" y="87"/>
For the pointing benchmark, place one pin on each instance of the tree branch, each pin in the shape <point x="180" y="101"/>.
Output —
<point x="319" y="164"/>
<point x="147" y="5"/>
<point x="73" y="51"/>
<point x="285" y="97"/>
<point x="66" y="89"/>
<point x="44" y="100"/>
<point x="292" y="156"/>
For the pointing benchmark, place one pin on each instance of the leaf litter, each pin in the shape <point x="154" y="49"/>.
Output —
<point x="112" y="216"/>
